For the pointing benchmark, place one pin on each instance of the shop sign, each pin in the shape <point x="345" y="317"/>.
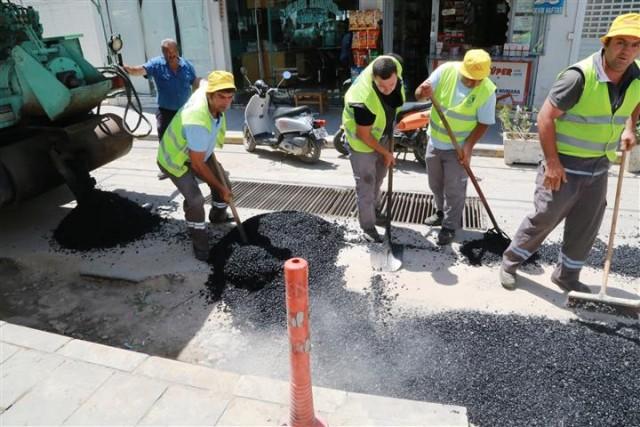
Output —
<point x="548" y="6"/>
<point x="511" y="78"/>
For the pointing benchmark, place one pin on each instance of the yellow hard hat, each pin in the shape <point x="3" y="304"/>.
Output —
<point x="220" y="80"/>
<point x="476" y="64"/>
<point x="624" y="25"/>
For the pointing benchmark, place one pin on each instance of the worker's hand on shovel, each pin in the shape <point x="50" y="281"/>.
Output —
<point x="389" y="160"/>
<point x="225" y="194"/>
<point x="628" y="140"/>
<point x="554" y="175"/>
<point x="465" y="158"/>
<point x="424" y="91"/>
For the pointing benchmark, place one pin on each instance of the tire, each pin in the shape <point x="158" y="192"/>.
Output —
<point x="338" y="142"/>
<point x="420" y="150"/>
<point x="247" y="139"/>
<point x="314" y="152"/>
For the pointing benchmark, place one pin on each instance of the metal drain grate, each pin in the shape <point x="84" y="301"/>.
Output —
<point x="409" y="207"/>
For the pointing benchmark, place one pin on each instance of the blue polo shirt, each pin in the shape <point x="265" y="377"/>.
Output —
<point x="174" y="89"/>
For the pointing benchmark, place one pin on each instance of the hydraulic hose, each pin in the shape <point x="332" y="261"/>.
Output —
<point x="133" y="100"/>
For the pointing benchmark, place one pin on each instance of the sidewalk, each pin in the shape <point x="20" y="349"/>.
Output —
<point x="55" y="380"/>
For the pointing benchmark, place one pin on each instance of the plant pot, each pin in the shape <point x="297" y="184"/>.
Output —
<point x="521" y="150"/>
<point x="634" y="160"/>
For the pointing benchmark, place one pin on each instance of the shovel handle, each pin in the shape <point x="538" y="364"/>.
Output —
<point x="614" y="223"/>
<point x="232" y="204"/>
<point x="466" y="167"/>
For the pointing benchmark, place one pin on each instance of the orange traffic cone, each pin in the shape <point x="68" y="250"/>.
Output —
<point x="296" y="277"/>
<point x="414" y="121"/>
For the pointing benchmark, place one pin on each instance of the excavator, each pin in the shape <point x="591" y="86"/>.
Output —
<point x="51" y="128"/>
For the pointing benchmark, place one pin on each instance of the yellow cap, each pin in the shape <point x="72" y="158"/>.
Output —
<point x="476" y="64"/>
<point x="220" y="80"/>
<point x="624" y="25"/>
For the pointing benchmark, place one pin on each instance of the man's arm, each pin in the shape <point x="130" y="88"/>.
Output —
<point x="628" y="139"/>
<point x="199" y="166"/>
<point x="364" y="134"/>
<point x="554" y="174"/>
<point x="135" y="70"/>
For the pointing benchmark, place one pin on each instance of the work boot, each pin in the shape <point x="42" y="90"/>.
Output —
<point x="445" y="236"/>
<point x="434" y="220"/>
<point x="568" y="280"/>
<point x="200" y="241"/>
<point x="371" y="235"/>
<point x="507" y="280"/>
<point x="218" y="215"/>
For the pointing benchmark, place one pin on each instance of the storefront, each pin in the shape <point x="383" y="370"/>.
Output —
<point x="512" y="31"/>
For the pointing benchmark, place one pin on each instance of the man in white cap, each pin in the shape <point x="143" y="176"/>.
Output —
<point x="468" y="98"/>
<point x="592" y="106"/>
<point x="186" y="153"/>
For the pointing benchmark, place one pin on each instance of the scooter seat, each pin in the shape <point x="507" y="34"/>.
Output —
<point x="410" y="107"/>
<point x="290" y="111"/>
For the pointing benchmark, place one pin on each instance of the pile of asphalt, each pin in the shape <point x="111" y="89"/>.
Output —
<point x="272" y="239"/>
<point x="104" y="220"/>
<point x="623" y="262"/>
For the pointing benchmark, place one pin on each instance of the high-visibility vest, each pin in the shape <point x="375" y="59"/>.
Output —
<point x="462" y="118"/>
<point x="362" y="91"/>
<point x="173" y="152"/>
<point x="590" y="129"/>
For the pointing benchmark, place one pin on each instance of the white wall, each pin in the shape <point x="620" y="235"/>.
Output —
<point x="562" y="47"/>
<point x="61" y="17"/>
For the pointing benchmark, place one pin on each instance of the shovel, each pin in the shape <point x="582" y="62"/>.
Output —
<point x="388" y="256"/>
<point x="494" y="236"/>
<point x="232" y="204"/>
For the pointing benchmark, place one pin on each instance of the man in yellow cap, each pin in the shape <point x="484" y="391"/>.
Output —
<point x="186" y="152"/>
<point x="468" y="98"/>
<point x="592" y="107"/>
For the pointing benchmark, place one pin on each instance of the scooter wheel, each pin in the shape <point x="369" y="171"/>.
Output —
<point x="247" y="139"/>
<point x="420" y="150"/>
<point x="339" y="142"/>
<point x="313" y="155"/>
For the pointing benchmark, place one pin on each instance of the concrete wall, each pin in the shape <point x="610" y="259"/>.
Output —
<point x="562" y="47"/>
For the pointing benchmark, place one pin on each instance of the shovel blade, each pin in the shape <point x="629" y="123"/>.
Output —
<point x="387" y="257"/>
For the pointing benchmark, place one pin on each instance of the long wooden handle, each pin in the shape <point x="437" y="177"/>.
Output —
<point x="389" y="192"/>
<point x="614" y="222"/>
<point x="232" y="204"/>
<point x="466" y="167"/>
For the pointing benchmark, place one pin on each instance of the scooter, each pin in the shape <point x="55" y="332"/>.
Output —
<point x="410" y="134"/>
<point x="292" y="130"/>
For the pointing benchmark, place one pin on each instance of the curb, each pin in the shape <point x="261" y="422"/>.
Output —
<point x="484" y="150"/>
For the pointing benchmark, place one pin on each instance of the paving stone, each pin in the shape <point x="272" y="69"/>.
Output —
<point x="6" y="351"/>
<point x="99" y="354"/>
<point x="181" y="405"/>
<point x="405" y="412"/>
<point x="53" y="400"/>
<point x="24" y="370"/>
<point x="219" y="382"/>
<point x="32" y="338"/>
<point x="269" y="390"/>
<point x="123" y="400"/>
<point x="242" y="412"/>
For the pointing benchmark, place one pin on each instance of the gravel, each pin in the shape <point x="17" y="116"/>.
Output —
<point x="104" y="220"/>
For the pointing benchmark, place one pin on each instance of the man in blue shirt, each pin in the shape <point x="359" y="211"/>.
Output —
<point x="174" y="78"/>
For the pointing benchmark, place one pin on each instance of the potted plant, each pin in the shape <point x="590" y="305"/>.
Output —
<point x="521" y="145"/>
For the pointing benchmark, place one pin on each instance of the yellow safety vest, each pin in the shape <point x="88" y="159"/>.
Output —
<point x="361" y="91"/>
<point x="173" y="152"/>
<point x="462" y="118"/>
<point x="590" y="129"/>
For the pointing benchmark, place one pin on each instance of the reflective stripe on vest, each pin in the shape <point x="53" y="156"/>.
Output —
<point x="361" y="91"/>
<point x="462" y="118"/>
<point x="173" y="152"/>
<point x="589" y="129"/>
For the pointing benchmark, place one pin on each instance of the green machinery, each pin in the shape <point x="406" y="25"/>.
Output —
<point x="48" y="132"/>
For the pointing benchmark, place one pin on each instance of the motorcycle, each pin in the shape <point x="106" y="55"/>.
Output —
<point x="292" y="130"/>
<point x="409" y="135"/>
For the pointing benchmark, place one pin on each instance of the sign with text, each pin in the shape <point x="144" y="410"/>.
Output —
<point x="548" y="6"/>
<point x="512" y="79"/>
